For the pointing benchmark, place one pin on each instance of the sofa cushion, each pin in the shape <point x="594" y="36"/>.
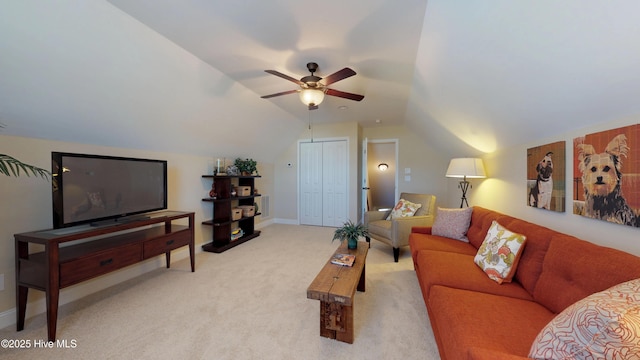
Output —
<point x="602" y="325"/>
<point x="403" y="208"/>
<point x="459" y="271"/>
<point x="499" y="254"/>
<point x="419" y="242"/>
<point x="574" y="269"/>
<point x="481" y="220"/>
<point x="468" y="319"/>
<point x="530" y="265"/>
<point x="452" y="223"/>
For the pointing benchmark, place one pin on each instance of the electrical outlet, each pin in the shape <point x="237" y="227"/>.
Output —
<point x="1" y="282"/>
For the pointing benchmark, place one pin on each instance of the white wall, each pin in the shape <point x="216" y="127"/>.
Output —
<point x="88" y="72"/>
<point x="427" y="164"/>
<point x="382" y="184"/>
<point x="505" y="191"/>
<point x="286" y="178"/>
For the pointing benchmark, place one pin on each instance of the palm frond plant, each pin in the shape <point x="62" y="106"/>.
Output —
<point x="11" y="166"/>
<point x="351" y="232"/>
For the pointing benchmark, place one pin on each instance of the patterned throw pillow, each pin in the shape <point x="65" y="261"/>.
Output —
<point x="500" y="252"/>
<point x="403" y="208"/>
<point x="452" y="223"/>
<point x="604" y="325"/>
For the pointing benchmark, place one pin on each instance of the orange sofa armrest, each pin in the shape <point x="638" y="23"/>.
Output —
<point x="421" y="230"/>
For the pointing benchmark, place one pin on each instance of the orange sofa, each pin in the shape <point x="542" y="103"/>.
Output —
<point x="473" y="317"/>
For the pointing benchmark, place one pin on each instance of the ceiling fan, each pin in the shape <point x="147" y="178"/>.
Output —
<point x="313" y="88"/>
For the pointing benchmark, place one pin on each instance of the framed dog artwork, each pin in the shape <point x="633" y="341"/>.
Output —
<point x="546" y="176"/>
<point x="606" y="168"/>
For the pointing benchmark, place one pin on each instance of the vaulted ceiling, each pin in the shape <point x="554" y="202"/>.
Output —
<point x="469" y="76"/>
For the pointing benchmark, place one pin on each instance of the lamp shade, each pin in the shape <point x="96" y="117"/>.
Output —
<point x="466" y="168"/>
<point x="311" y="97"/>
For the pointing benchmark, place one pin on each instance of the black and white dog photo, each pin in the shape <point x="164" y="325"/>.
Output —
<point x="540" y="194"/>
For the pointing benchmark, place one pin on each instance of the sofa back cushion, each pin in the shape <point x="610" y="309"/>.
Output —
<point x="481" y="220"/>
<point x="574" y="269"/>
<point x="530" y="265"/>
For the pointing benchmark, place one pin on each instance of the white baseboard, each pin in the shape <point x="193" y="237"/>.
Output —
<point x="265" y="223"/>
<point x="287" y="221"/>
<point x="37" y="307"/>
<point x="7" y="318"/>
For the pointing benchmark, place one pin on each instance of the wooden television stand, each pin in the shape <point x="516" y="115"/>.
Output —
<point x="103" y="249"/>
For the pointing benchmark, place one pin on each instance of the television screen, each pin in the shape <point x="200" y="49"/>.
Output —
<point x="92" y="188"/>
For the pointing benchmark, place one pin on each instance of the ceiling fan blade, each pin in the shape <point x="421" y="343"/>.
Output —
<point x="286" y="77"/>
<point x="345" y="95"/>
<point x="280" y="93"/>
<point x="337" y="76"/>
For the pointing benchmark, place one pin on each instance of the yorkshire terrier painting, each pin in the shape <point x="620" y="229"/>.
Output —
<point x="601" y="179"/>
<point x="540" y="194"/>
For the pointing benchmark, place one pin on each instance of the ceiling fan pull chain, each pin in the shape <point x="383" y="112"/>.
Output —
<point x="310" y="129"/>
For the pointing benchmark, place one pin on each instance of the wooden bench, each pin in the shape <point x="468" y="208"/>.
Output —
<point x="335" y="287"/>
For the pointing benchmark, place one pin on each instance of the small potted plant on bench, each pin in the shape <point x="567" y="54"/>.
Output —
<point x="351" y="232"/>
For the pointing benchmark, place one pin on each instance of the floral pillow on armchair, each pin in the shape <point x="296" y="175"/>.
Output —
<point x="403" y="208"/>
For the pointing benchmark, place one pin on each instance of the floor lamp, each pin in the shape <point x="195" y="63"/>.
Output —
<point x="465" y="168"/>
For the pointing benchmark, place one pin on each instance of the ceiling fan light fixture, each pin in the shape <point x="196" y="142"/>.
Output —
<point x="311" y="97"/>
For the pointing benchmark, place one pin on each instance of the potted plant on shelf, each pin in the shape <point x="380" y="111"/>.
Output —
<point x="351" y="232"/>
<point x="246" y="166"/>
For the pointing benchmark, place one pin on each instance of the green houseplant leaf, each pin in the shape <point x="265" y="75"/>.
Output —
<point x="352" y="231"/>
<point x="11" y="166"/>
<point x="246" y="165"/>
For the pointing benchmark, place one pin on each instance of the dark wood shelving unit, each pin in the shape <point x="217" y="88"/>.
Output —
<point x="222" y="206"/>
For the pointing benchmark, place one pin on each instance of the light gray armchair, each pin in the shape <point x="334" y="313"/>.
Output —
<point x="396" y="232"/>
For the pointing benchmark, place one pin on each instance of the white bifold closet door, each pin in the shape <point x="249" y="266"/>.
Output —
<point x="323" y="183"/>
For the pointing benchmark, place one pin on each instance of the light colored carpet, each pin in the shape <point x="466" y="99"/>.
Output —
<point x="246" y="303"/>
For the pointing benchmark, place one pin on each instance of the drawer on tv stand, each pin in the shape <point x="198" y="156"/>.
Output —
<point x="87" y="267"/>
<point x="166" y="243"/>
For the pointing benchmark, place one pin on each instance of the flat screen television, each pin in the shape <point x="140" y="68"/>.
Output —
<point x="97" y="189"/>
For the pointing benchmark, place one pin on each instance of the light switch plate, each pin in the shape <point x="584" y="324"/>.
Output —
<point x="407" y="178"/>
<point x="407" y="170"/>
